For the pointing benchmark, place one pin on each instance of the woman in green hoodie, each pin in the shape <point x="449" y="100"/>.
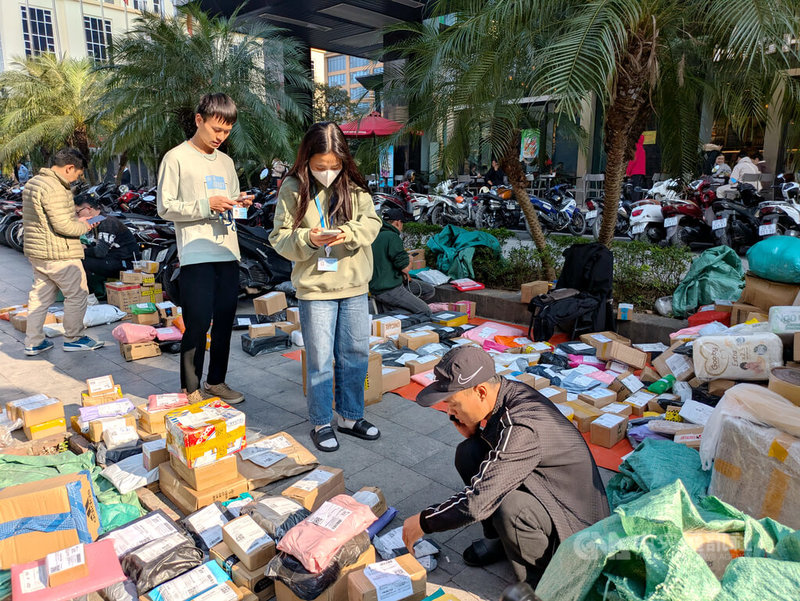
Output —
<point x="325" y="222"/>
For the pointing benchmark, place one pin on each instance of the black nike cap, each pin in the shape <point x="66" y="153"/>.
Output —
<point x="461" y="368"/>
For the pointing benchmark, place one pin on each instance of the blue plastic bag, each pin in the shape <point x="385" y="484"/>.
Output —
<point x="777" y="258"/>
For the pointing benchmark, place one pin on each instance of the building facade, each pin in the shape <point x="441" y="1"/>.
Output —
<point x="343" y="71"/>
<point x="74" y="28"/>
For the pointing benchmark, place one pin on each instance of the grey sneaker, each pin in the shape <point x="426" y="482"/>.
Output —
<point x="197" y="396"/>
<point x="224" y="392"/>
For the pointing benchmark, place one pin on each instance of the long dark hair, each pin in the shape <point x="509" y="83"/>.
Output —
<point x="322" y="138"/>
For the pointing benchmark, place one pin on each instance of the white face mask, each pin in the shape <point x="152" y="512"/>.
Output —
<point x="327" y="176"/>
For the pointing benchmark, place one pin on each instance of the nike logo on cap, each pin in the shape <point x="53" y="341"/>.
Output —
<point x="463" y="381"/>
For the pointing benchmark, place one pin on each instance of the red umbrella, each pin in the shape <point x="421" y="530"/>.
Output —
<point x="371" y="125"/>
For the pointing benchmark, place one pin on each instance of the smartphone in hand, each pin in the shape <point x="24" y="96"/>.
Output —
<point x="96" y="220"/>
<point x="330" y="232"/>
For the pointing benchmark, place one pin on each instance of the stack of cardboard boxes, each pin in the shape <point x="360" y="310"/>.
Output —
<point x="135" y="286"/>
<point x="106" y="416"/>
<point x="41" y="416"/>
<point x="270" y="336"/>
<point x="202" y="440"/>
<point x="244" y="552"/>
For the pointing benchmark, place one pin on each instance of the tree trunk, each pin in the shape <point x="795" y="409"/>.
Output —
<point x="123" y="160"/>
<point x="625" y="120"/>
<point x="80" y="140"/>
<point x="516" y="177"/>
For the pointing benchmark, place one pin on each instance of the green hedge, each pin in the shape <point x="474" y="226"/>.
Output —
<point x="642" y="272"/>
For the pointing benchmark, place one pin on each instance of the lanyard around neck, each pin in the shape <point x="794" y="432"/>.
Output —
<point x="319" y="209"/>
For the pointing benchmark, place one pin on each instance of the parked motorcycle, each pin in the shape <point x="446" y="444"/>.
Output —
<point x="782" y="215"/>
<point x="492" y="211"/>
<point x="452" y="209"/>
<point x="558" y="211"/>
<point x="688" y="221"/>
<point x="735" y="223"/>
<point x="594" y="217"/>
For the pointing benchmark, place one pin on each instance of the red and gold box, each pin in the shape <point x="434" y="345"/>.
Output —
<point x="204" y="432"/>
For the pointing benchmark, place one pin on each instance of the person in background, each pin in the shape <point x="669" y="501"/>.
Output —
<point x="529" y="476"/>
<point x="390" y="284"/>
<point x="52" y="245"/>
<point x="744" y="166"/>
<point x="22" y="173"/>
<point x="325" y="222"/>
<point x="710" y="154"/>
<point x="125" y="180"/>
<point x="636" y="169"/>
<point x="495" y="176"/>
<point x="197" y="189"/>
<point x="761" y="163"/>
<point x="114" y="247"/>
<point x="721" y="171"/>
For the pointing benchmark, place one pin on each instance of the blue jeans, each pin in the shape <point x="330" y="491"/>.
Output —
<point x="335" y="329"/>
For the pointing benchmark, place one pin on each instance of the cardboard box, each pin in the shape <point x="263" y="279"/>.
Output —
<point x="154" y="453"/>
<point x="617" y="351"/>
<point x="253" y="580"/>
<point x="554" y="393"/>
<point x="140" y="350"/>
<point x="534" y="381"/>
<point x="373" y="383"/>
<point x="785" y="381"/>
<point x="361" y="588"/>
<point x="260" y="330"/>
<point x="532" y="289"/>
<point x="416" y="339"/>
<point x="372" y="497"/>
<point x="624" y="311"/>
<point x="287" y="327"/>
<point x="423" y="364"/>
<point x="249" y="542"/>
<point x="131" y="277"/>
<point x="758" y="316"/>
<point x="678" y="365"/>
<point x="690" y="437"/>
<point x="607" y="430"/>
<point x="740" y="311"/>
<point x="316" y="487"/>
<point x="100" y="386"/>
<point x="152" y="421"/>
<point x="468" y="307"/>
<point x="66" y="565"/>
<point x="796" y="347"/>
<point x="649" y="375"/>
<point x="187" y="499"/>
<point x="146" y="266"/>
<point x="450" y="319"/>
<point x="14" y="408"/>
<point x="43" y="430"/>
<point x="717" y="549"/>
<point x="583" y="414"/>
<point x="98" y="426"/>
<point x="123" y="295"/>
<point x="597" y="339"/>
<point x="765" y="293"/>
<point x="386" y="327"/>
<point x="270" y="303"/>
<point x="718" y="387"/>
<point x="293" y="315"/>
<point x="622" y="409"/>
<point x="598" y="397"/>
<point x="91" y="401"/>
<point x="44" y="498"/>
<point x="639" y="402"/>
<point x="39" y="412"/>
<point x="221" y="472"/>
<point x="146" y="319"/>
<point x="204" y="432"/>
<point x="338" y="590"/>
<point x="395" y="377"/>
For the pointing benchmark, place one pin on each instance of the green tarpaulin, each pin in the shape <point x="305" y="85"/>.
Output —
<point x="716" y="274"/>
<point x="454" y="248"/>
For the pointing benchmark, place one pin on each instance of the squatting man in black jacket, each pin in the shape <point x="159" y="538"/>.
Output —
<point x="530" y="478"/>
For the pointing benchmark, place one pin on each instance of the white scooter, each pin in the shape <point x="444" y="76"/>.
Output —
<point x="647" y="220"/>
<point x="780" y="217"/>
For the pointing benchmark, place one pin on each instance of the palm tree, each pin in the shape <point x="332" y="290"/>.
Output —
<point x="49" y="102"/>
<point x="159" y="70"/>
<point x="638" y="57"/>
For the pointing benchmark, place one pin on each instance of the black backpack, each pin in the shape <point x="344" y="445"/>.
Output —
<point x="581" y="298"/>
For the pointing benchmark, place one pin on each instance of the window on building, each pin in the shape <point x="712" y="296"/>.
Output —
<point x="98" y="38"/>
<point x="139" y="4"/>
<point x="157" y="7"/>
<point x="356" y="74"/>
<point x="364" y="107"/>
<point x="336" y="80"/>
<point x="356" y="61"/>
<point x="356" y="93"/>
<point x="336" y="63"/>
<point x="37" y="31"/>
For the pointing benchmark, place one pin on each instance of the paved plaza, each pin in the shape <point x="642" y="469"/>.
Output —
<point x="412" y="462"/>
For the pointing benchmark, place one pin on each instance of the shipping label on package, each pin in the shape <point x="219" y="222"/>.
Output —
<point x="329" y="516"/>
<point x="390" y="580"/>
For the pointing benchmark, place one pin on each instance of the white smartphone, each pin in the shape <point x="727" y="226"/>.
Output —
<point x="331" y="232"/>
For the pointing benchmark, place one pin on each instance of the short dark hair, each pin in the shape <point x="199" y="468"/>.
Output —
<point x="218" y="105"/>
<point x="69" y="156"/>
<point x="85" y="199"/>
<point x="741" y="154"/>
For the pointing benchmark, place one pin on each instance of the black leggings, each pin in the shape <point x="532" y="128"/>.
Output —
<point x="104" y="268"/>
<point x="209" y="291"/>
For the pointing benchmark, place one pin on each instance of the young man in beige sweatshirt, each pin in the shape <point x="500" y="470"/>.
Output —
<point x="197" y="188"/>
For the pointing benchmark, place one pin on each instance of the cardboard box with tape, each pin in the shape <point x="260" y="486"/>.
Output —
<point x="338" y="590"/>
<point x="316" y="487"/>
<point x="404" y="575"/>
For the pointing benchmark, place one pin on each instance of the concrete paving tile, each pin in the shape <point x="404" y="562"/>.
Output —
<point x="503" y="570"/>
<point x="401" y="444"/>
<point x="479" y="582"/>
<point x="419" y="419"/>
<point x="448" y="435"/>
<point x="440" y="468"/>
<point x="463" y="538"/>
<point x="389" y="405"/>
<point x="396" y="482"/>
<point x="267" y="418"/>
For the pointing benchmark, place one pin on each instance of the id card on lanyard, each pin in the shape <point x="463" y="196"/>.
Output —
<point x="326" y="263"/>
